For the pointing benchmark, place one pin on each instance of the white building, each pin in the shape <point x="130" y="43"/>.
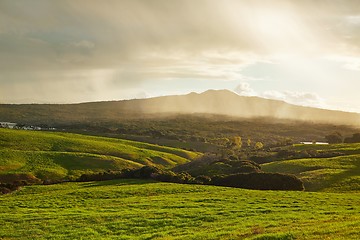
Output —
<point x="7" y="125"/>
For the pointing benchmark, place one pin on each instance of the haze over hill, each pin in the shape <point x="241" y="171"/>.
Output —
<point x="221" y="102"/>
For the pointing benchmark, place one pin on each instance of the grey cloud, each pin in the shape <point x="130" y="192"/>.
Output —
<point x="84" y="44"/>
<point x="123" y="31"/>
<point x="44" y="41"/>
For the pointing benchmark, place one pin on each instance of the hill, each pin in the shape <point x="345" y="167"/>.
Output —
<point x="64" y="155"/>
<point x="333" y="174"/>
<point x="139" y="209"/>
<point x="221" y="102"/>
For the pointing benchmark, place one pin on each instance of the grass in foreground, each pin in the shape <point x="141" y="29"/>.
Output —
<point x="134" y="209"/>
<point x="59" y="155"/>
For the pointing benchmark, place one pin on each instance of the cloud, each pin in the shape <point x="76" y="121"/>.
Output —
<point x="353" y="19"/>
<point x="297" y="98"/>
<point x="353" y="65"/>
<point x="348" y="62"/>
<point x="244" y="89"/>
<point x="84" y="44"/>
<point x="125" y="31"/>
<point x="59" y="43"/>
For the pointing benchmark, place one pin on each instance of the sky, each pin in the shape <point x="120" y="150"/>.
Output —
<point x="303" y="52"/>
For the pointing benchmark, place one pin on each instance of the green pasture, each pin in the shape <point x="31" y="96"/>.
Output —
<point x="64" y="155"/>
<point x="136" y="209"/>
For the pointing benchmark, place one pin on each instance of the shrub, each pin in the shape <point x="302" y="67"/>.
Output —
<point x="145" y="172"/>
<point x="10" y="187"/>
<point x="4" y="190"/>
<point x="260" y="181"/>
<point x="20" y="177"/>
<point x="202" y="179"/>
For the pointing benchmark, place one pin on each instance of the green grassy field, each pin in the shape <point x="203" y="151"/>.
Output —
<point x="335" y="174"/>
<point x="135" y="209"/>
<point x="58" y="155"/>
<point x="347" y="148"/>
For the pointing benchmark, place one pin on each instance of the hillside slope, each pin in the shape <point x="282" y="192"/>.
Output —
<point x="57" y="155"/>
<point x="334" y="174"/>
<point x="221" y="102"/>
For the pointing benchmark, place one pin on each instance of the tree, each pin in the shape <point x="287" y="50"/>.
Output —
<point x="248" y="142"/>
<point x="354" y="139"/>
<point x="259" y="145"/>
<point x="237" y="143"/>
<point x="335" y="137"/>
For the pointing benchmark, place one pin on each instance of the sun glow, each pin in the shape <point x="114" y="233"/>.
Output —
<point x="281" y="30"/>
<point x="274" y="25"/>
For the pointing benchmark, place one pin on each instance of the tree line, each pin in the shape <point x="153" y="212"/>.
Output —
<point x="253" y="180"/>
<point x="337" y="137"/>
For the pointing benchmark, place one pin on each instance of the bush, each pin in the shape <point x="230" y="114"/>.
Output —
<point x="285" y="154"/>
<point x="262" y="157"/>
<point x="12" y="182"/>
<point x="147" y="172"/>
<point x="260" y="181"/>
<point x="19" y="177"/>
<point x="202" y="179"/>
<point x="10" y="187"/>
<point x="103" y="176"/>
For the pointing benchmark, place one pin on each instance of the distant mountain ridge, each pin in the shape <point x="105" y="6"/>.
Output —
<point x="220" y="102"/>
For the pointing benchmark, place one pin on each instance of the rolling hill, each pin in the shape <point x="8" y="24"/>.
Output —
<point x="334" y="174"/>
<point x="53" y="155"/>
<point x="221" y="102"/>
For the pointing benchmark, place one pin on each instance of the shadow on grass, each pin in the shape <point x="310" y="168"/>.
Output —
<point x="118" y="182"/>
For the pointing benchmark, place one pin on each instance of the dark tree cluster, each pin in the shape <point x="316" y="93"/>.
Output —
<point x="260" y="181"/>
<point x="333" y="138"/>
<point x="337" y="137"/>
<point x="354" y="139"/>
<point x="286" y="154"/>
<point x="147" y="172"/>
<point x="254" y="180"/>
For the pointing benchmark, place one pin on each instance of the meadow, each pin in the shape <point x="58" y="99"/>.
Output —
<point x="59" y="155"/>
<point x="333" y="174"/>
<point x="140" y="209"/>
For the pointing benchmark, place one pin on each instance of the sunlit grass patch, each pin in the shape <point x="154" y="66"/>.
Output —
<point x="326" y="174"/>
<point x="53" y="155"/>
